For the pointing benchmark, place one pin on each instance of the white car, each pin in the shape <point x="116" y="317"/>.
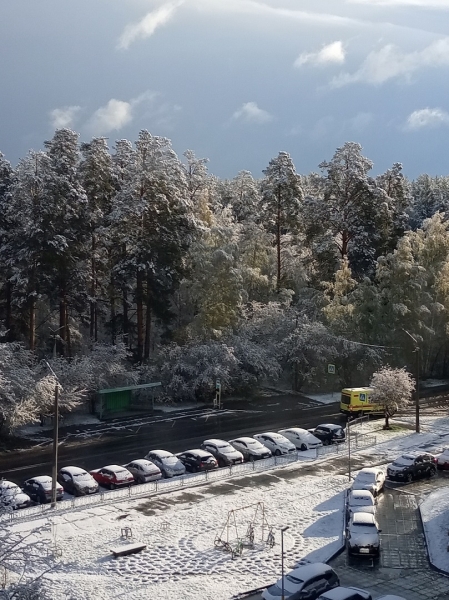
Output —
<point x="346" y="593"/>
<point x="277" y="443"/>
<point x="303" y="439"/>
<point x="391" y="597"/>
<point x="363" y="535"/>
<point x="305" y="582"/>
<point x="443" y="460"/>
<point x="168" y="463"/>
<point x="360" y="501"/>
<point x="143" y="470"/>
<point x="371" y="479"/>
<point x="11" y="496"/>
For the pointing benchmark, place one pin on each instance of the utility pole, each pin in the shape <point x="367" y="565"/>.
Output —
<point x="54" y="468"/>
<point x="417" y="408"/>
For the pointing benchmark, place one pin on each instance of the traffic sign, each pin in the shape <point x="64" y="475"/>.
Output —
<point x="331" y="369"/>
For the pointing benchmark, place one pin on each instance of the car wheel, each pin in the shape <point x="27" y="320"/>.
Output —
<point x="303" y="447"/>
<point x="140" y="480"/>
<point x="409" y="478"/>
<point x="325" y="442"/>
<point x="432" y="472"/>
<point x="277" y="452"/>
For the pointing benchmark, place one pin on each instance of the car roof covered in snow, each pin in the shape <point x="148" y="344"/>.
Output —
<point x="341" y="593"/>
<point x="306" y="571"/>
<point x="216" y="442"/>
<point x="363" y="518"/>
<point x="74" y="470"/>
<point x="365" y="494"/>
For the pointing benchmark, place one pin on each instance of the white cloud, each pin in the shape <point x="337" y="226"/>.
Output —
<point x="111" y="117"/>
<point x="424" y="3"/>
<point x="63" y="117"/>
<point x="148" y="24"/>
<point x="251" y="113"/>
<point x="427" y="117"/>
<point x="332" y="53"/>
<point x="390" y="62"/>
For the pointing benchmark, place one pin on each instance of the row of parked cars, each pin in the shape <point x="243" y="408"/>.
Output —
<point x="316" y="581"/>
<point x="214" y="453"/>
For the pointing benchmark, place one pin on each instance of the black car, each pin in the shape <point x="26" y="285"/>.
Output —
<point x="329" y="433"/>
<point x="413" y="465"/>
<point x="197" y="460"/>
<point x="39" y="489"/>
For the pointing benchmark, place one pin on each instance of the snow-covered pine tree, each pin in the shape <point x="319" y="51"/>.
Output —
<point x="97" y="178"/>
<point x="281" y="203"/>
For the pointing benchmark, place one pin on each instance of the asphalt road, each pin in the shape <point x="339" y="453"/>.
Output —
<point x="120" y="441"/>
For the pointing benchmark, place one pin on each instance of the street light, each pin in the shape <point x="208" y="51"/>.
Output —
<point x="54" y="468"/>
<point x="282" y="558"/>
<point x="416" y="350"/>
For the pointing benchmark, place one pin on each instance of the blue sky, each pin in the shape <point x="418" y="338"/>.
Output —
<point x="236" y="81"/>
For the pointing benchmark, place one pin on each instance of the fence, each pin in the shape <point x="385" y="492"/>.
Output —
<point x="188" y="480"/>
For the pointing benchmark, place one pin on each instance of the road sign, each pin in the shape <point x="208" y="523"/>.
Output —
<point x="331" y="369"/>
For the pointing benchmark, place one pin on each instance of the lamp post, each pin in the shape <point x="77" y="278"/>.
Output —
<point x="54" y="468"/>
<point x="416" y="351"/>
<point x="282" y="558"/>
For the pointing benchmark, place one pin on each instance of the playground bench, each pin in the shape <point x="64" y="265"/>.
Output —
<point x="128" y="549"/>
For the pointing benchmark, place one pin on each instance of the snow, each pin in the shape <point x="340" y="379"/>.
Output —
<point x="179" y="528"/>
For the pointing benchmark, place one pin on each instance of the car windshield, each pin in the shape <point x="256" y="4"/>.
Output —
<point x="403" y="461"/>
<point x="226" y="449"/>
<point x="365" y="477"/>
<point x="81" y="476"/>
<point x="169" y="460"/>
<point x="254" y="443"/>
<point x="368" y="526"/>
<point x="294" y="579"/>
<point x="361" y="501"/>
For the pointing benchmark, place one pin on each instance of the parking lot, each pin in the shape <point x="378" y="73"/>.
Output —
<point x="403" y="567"/>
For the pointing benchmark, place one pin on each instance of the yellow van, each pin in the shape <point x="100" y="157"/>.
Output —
<point x="356" y="402"/>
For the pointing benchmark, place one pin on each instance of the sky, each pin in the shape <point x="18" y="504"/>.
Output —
<point x="236" y="81"/>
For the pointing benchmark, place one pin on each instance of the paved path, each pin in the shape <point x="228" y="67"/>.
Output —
<point x="403" y="567"/>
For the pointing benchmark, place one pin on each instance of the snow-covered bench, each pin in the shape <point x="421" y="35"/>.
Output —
<point x="128" y="549"/>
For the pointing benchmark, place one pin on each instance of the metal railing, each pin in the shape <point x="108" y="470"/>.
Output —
<point x="188" y="480"/>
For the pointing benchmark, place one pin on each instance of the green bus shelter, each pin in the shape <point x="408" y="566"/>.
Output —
<point x="119" y="400"/>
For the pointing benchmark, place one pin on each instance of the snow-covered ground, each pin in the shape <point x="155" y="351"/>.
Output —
<point x="179" y="529"/>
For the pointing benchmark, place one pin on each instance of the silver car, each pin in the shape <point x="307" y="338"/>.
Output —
<point x="346" y="593"/>
<point x="277" y="443"/>
<point x="360" y="501"/>
<point x="303" y="583"/>
<point x="12" y="497"/>
<point x="303" y="439"/>
<point x="250" y="448"/>
<point x="143" y="470"/>
<point x="168" y="463"/>
<point x="363" y="535"/>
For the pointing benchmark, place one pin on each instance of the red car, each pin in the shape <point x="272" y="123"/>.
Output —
<point x="113" y="476"/>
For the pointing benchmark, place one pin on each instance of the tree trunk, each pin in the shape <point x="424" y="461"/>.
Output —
<point x="139" y="313"/>
<point x="147" y="330"/>
<point x="278" y="244"/>
<point x="62" y="323"/>
<point x="125" y="315"/>
<point x="32" y="323"/>
<point x="93" y="292"/>
<point x="112" y="311"/>
<point x="344" y="244"/>
<point x="8" y="311"/>
<point x="68" y="336"/>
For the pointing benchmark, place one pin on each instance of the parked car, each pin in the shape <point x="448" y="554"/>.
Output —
<point x="329" y="433"/>
<point x="39" y="489"/>
<point x="360" y="501"/>
<point x="304" y="583"/>
<point x="223" y="451"/>
<point x="391" y="597"/>
<point x="143" y="470"/>
<point x="413" y="465"/>
<point x="303" y="439"/>
<point x="371" y="479"/>
<point x="168" y="463"/>
<point x="11" y="496"/>
<point x="346" y="593"/>
<point x="443" y="460"/>
<point x="277" y="443"/>
<point x="77" y="481"/>
<point x="197" y="460"/>
<point x="250" y="448"/>
<point x="113" y="476"/>
<point x="363" y="535"/>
